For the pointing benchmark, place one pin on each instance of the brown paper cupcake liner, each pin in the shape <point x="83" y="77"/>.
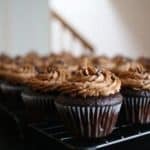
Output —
<point x="1" y="95"/>
<point x="38" y="107"/>
<point x="11" y="95"/>
<point x="136" y="109"/>
<point x="89" y="121"/>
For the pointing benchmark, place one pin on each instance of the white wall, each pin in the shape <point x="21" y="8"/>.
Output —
<point x="24" y="25"/>
<point x="113" y="26"/>
<point x="2" y="24"/>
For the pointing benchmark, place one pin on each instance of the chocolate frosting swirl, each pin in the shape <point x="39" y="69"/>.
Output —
<point x="25" y="70"/>
<point x="135" y="76"/>
<point x="90" y="81"/>
<point x="17" y="74"/>
<point x="6" y="68"/>
<point x="128" y="66"/>
<point x="49" y="80"/>
<point x="119" y="59"/>
<point x="145" y="62"/>
<point x="103" y="62"/>
<point x="5" y="59"/>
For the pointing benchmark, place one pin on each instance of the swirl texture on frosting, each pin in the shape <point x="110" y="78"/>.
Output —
<point x="145" y="62"/>
<point x="49" y="80"/>
<point x="90" y="81"/>
<point x="17" y="73"/>
<point x="135" y="76"/>
<point x="128" y="66"/>
<point x="103" y="62"/>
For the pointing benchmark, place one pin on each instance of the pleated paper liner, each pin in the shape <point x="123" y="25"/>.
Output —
<point x="11" y="95"/>
<point x="136" y="110"/>
<point x="38" y="107"/>
<point x="1" y="95"/>
<point x="89" y="121"/>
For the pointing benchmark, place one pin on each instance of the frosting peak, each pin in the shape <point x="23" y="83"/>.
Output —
<point x="91" y="81"/>
<point x="50" y="79"/>
<point x="135" y="76"/>
<point x="103" y="62"/>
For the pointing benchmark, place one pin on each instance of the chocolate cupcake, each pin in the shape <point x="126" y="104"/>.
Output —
<point x="41" y="92"/>
<point x="5" y="65"/>
<point x="136" y="92"/>
<point x="5" y="62"/>
<point x="64" y="56"/>
<point x="4" y="59"/>
<point x="119" y="59"/>
<point x="15" y="76"/>
<point x="1" y="95"/>
<point x="103" y="62"/>
<point x="90" y="102"/>
<point x="145" y="62"/>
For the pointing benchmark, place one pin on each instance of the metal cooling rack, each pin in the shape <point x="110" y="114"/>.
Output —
<point x="56" y="132"/>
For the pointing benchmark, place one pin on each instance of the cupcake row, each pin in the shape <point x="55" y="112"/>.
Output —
<point x="90" y="94"/>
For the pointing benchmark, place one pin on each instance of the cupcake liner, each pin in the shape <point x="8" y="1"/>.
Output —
<point x="11" y="95"/>
<point x="38" y="107"/>
<point x="89" y="121"/>
<point x="136" y="109"/>
<point x="1" y="95"/>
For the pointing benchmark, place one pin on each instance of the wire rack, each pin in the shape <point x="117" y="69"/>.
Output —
<point x="52" y="132"/>
<point x="55" y="131"/>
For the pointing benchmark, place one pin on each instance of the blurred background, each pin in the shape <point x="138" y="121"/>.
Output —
<point x="107" y="27"/>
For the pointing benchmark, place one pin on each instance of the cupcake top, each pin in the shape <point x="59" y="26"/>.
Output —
<point x="5" y="58"/>
<point x="67" y="58"/>
<point x="50" y="79"/>
<point x="15" y="70"/>
<point x="127" y="66"/>
<point x="119" y="59"/>
<point x="6" y="65"/>
<point x="103" y="62"/>
<point x="31" y="57"/>
<point x="90" y="81"/>
<point x="26" y="70"/>
<point x="135" y="76"/>
<point x="34" y="59"/>
<point x="145" y="62"/>
<point x="20" y="73"/>
<point x="5" y="61"/>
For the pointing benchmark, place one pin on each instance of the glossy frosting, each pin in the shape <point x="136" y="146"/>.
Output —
<point x="17" y="73"/>
<point x="50" y="80"/>
<point x="90" y="81"/>
<point x="135" y="76"/>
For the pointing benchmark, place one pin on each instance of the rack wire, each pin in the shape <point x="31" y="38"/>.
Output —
<point x="53" y="132"/>
<point x="56" y="131"/>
